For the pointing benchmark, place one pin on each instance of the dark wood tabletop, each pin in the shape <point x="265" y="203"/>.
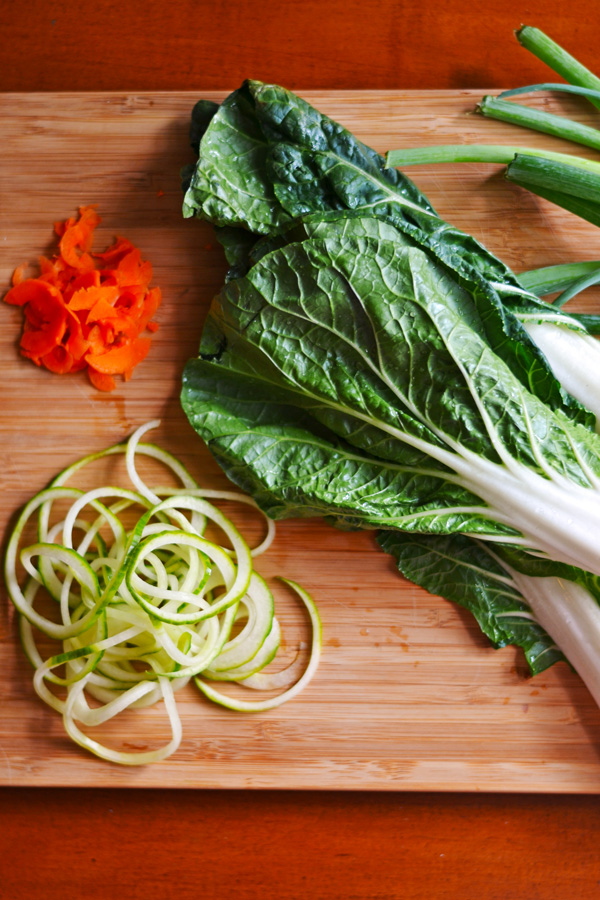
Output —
<point x="86" y="843"/>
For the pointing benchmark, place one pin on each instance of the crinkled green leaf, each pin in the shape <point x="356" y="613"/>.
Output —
<point x="383" y="350"/>
<point x="229" y="184"/>
<point x="295" y="466"/>
<point x="268" y="158"/>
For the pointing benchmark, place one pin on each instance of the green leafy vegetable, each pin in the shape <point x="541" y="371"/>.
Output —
<point x="369" y="363"/>
<point x="377" y="343"/>
<point x="466" y="572"/>
<point x="547" y="610"/>
<point x="268" y="159"/>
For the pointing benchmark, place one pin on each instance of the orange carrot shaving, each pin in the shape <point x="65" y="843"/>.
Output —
<point x="18" y="275"/>
<point x="120" y="359"/>
<point x="76" y="237"/>
<point x="59" y="360"/>
<point x="100" y="381"/>
<point x="88" y="297"/>
<point x="87" y="310"/>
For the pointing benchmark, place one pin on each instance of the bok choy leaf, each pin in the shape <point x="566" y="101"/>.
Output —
<point x="268" y="159"/>
<point x="375" y="340"/>
<point x="369" y="363"/>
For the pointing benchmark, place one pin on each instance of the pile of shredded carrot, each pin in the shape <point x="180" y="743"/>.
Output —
<point x="87" y="310"/>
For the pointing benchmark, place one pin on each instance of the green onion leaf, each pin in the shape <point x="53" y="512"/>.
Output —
<point x="537" y="120"/>
<point x="561" y="62"/>
<point x="550" y="279"/>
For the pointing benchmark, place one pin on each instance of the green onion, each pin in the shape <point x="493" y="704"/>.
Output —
<point x="481" y="153"/>
<point x="567" y="181"/>
<point x="557" y="58"/>
<point x="570" y="279"/>
<point x="550" y="279"/>
<point x="588" y="93"/>
<point x="552" y="175"/>
<point x="580" y="285"/>
<point x="545" y="181"/>
<point x="537" y="120"/>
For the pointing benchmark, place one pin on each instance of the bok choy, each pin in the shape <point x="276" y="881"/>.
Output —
<point x="368" y="362"/>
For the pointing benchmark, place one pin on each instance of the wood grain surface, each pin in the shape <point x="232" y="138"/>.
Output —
<point x="408" y="695"/>
<point x="144" y="843"/>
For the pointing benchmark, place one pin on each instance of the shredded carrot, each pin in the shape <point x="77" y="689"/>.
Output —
<point x="87" y="310"/>
<point x="120" y="359"/>
<point x="100" y="381"/>
<point x="59" y="360"/>
<point x="18" y="275"/>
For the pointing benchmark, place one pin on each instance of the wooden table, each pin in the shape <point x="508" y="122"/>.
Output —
<point x="93" y="843"/>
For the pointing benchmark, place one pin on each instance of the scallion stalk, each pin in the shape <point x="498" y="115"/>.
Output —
<point x="550" y="279"/>
<point x="537" y="120"/>
<point x="588" y="93"/>
<point x="570" y="279"/>
<point x="553" y="175"/>
<point x="481" y="153"/>
<point x="580" y="285"/>
<point x="585" y="208"/>
<point x="567" y="181"/>
<point x="557" y="59"/>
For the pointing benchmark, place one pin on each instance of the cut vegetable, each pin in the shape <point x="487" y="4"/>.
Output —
<point x="87" y="311"/>
<point x="557" y="58"/>
<point x="141" y="600"/>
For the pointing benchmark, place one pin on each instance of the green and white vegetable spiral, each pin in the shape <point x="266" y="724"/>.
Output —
<point x="143" y="609"/>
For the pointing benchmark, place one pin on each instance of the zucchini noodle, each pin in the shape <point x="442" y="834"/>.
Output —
<point x="143" y="608"/>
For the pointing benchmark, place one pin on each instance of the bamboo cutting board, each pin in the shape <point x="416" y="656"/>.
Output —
<point x="408" y="696"/>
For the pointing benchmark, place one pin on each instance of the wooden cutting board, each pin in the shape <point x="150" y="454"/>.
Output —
<point x="408" y="696"/>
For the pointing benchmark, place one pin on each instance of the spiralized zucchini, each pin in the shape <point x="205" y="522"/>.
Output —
<point x="142" y="608"/>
